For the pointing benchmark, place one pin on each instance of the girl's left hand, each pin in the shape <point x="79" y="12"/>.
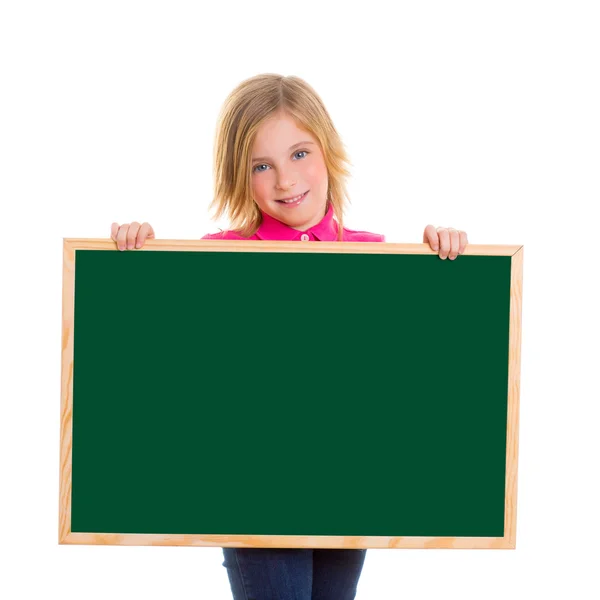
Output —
<point x="450" y="242"/>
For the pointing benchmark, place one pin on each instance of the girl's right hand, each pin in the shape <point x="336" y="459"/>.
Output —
<point x="131" y="235"/>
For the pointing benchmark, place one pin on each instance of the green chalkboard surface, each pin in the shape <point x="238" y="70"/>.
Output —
<point x="287" y="393"/>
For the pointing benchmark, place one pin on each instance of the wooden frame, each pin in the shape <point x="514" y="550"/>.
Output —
<point x="65" y="535"/>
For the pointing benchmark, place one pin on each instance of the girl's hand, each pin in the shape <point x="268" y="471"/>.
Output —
<point x="447" y="240"/>
<point x="131" y="235"/>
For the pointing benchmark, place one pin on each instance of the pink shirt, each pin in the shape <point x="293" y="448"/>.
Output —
<point x="324" y="231"/>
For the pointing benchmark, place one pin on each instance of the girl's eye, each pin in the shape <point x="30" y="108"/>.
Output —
<point x="263" y="165"/>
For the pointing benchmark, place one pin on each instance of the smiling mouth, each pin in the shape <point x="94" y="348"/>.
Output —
<point x="294" y="199"/>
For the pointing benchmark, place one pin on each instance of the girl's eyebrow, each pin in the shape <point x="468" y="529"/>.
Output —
<point x="291" y="148"/>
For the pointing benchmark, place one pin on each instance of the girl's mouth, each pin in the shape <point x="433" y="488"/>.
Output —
<point x="294" y="201"/>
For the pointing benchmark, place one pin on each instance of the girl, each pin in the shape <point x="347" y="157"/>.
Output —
<point x="280" y="172"/>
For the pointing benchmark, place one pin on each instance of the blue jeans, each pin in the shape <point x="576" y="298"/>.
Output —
<point x="293" y="573"/>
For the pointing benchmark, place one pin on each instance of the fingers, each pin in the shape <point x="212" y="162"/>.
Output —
<point x="444" y="237"/>
<point x="131" y="235"/>
<point x="122" y="236"/>
<point x="145" y="232"/>
<point x="454" y="243"/>
<point x="430" y="237"/>
<point x="451" y="242"/>
<point x="463" y="242"/>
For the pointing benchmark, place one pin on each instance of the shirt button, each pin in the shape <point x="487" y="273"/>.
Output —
<point x="305" y="237"/>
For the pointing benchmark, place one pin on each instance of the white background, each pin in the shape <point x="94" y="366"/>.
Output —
<point x="484" y="116"/>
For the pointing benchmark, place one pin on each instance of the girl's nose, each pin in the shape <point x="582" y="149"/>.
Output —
<point x="285" y="180"/>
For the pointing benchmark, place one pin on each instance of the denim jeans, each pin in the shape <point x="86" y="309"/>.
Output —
<point x="293" y="573"/>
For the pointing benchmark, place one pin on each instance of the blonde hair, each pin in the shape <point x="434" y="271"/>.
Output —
<point x="251" y="103"/>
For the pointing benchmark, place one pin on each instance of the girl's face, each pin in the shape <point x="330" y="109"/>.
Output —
<point x="287" y="162"/>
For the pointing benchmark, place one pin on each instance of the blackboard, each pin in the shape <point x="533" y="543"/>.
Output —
<point x="289" y="394"/>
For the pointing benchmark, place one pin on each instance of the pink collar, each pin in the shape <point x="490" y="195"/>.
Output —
<point x="273" y="229"/>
